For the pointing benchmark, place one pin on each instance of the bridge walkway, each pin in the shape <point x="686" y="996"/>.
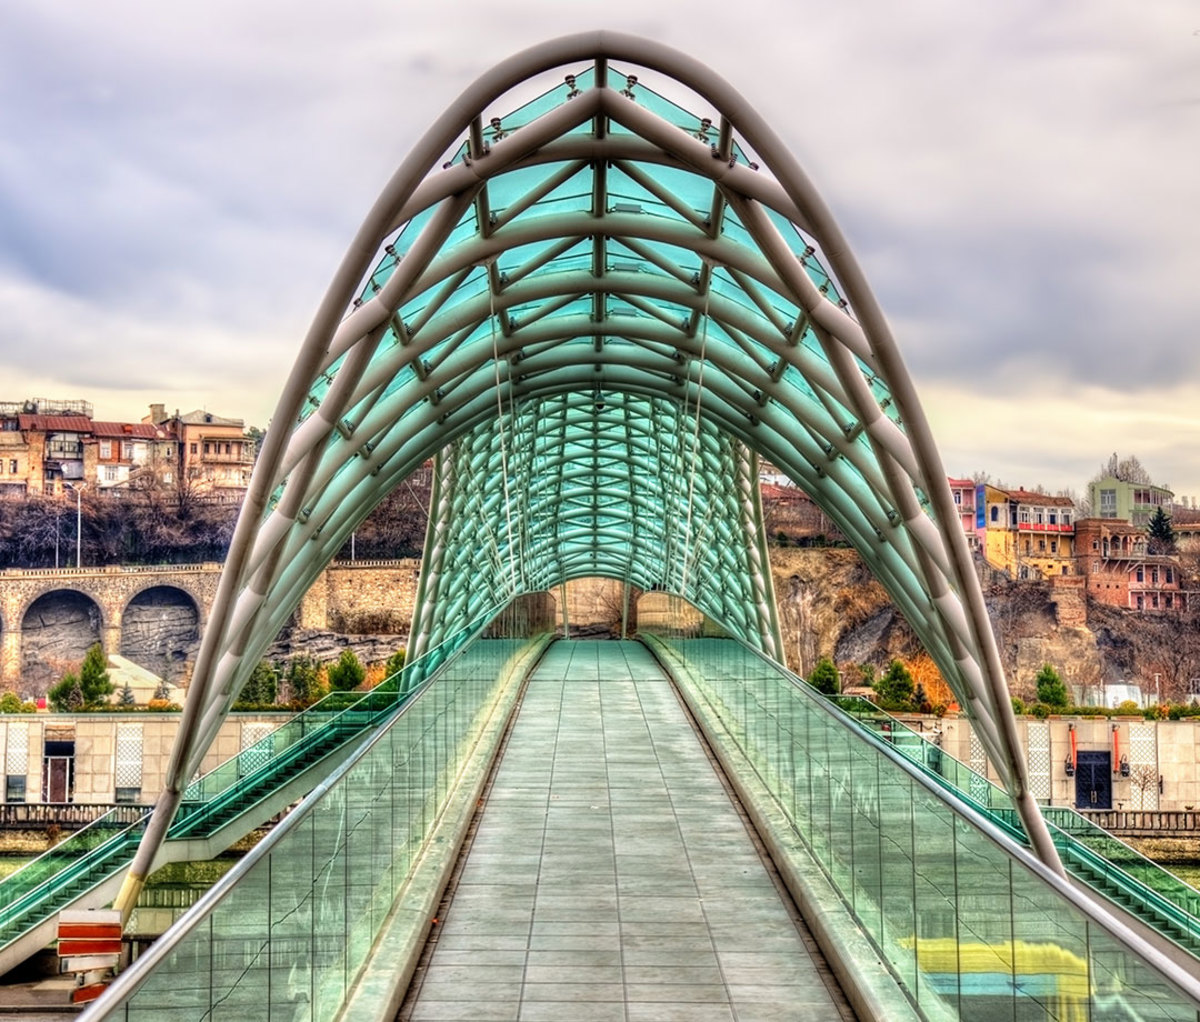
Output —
<point x="611" y="876"/>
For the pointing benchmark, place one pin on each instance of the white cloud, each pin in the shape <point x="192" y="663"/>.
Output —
<point x="178" y="182"/>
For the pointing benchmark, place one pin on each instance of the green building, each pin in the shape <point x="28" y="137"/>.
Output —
<point x="1134" y="502"/>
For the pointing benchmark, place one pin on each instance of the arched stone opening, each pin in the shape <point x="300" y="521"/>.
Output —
<point x="56" y="632"/>
<point x="160" y="629"/>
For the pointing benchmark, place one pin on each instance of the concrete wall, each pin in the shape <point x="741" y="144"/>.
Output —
<point x="1166" y="749"/>
<point x="23" y="737"/>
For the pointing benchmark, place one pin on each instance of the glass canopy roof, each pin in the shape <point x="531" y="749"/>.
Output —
<point x="596" y="309"/>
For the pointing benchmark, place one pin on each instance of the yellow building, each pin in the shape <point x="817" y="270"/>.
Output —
<point x="1029" y="535"/>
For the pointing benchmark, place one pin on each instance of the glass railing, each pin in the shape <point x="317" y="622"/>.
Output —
<point x="1106" y="863"/>
<point x="969" y="923"/>
<point x="82" y="859"/>
<point x="106" y="846"/>
<point x="284" y="934"/>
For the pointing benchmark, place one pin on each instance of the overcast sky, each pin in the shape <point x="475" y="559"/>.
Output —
<point x="1019" y="178"/>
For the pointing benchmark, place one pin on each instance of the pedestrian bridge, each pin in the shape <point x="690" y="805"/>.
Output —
<point x="598" y="291"/>
<point x="606" y="872"/>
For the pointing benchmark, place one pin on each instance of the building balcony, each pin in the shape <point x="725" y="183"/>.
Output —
<point x="63" y="451"/>
<point x="1036" y="527"/>
<point x="212" y="458"/>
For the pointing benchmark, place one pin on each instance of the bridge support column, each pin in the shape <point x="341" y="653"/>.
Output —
<point x="110" y="638"/>
<point x="10" y="658"/>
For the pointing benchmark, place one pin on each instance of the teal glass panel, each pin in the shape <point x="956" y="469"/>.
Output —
<point x="969" y="929"/>
<point x="286" y="935"/>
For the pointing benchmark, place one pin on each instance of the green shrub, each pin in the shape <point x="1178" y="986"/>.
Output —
<point x="824" y="677"/>
<point x="10" y="702"/>
<point x="347" y="673"/>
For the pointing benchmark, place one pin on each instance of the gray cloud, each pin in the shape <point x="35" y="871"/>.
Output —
<point x="177" y="182"/>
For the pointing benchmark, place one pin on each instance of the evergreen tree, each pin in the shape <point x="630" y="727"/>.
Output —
<point x="162" y="691"/>
<point x="74" y="700"/>
<point x="895" y="688"/>
<point x="304" y="680"/>
<point x="1050" y="688"/>
<point x="126" y="697"/>
<point x="262" y="687"/>
<point x="824" y="677"/>
<point x="347" y="673"/>
<point x="1162" y="535"/>
<point x="921" y="701"/>
<point x="395" y="663"/>
<point x="93" y="677"/>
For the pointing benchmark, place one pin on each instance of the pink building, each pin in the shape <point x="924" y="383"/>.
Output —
<point x="963" y="492"/>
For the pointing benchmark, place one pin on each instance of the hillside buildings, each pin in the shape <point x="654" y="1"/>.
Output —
<point x="56" y="448"/>
<point x="1120" y="571"/>
<point x="1133" y="502"/>
<point x="1029" y="535"/>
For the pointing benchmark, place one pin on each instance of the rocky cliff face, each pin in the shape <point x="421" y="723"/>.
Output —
<point x="830" y="605"/>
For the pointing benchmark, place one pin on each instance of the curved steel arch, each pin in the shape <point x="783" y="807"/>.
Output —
<point x="600" y="301"/>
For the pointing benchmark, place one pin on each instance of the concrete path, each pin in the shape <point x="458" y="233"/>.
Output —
<point x="611" y="878"/>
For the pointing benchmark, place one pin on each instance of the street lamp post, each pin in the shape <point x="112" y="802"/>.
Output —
<point x="78" y="525"/>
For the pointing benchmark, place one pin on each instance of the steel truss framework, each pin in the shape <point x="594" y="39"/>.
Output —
<point x="600" y="309"/>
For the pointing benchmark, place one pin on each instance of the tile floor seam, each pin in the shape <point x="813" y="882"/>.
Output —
<point x="612" y="830"/>
<point x="692" y="874"/>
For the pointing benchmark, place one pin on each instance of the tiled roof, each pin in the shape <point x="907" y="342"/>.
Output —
<point x="55" y="423"/>
<point x="1029" y="497"/>
<point x="139" y="430"/>
<point x="202" y="418"/>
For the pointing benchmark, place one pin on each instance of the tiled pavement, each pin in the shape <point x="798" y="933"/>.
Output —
<point x="610" y="877"/>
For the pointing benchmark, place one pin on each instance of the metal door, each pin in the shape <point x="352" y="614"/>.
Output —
<point x="1093" y="780"/>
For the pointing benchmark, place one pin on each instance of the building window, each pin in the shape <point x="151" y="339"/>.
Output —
<point x="1054" y="546"/>
<point x="127" y="450"/>
<point x="1024" y="516"/>
<point x="1053" y="518"/>
<point x="958" y="497"/>
<point x="995" y="514"/>
<point x="206" y="447"/>
<point x="193" y="448"/>
<point x="1108" y="503"/>
<point x="1041" y="546"/>
<point x="1140" y="574"/>
<point x="1066" y="518"/>
<point x="1040" y="517"/>
<point x="1140" y="602"/>
<point x="106" y="448"/>
<point x="12" y="466"/>
<point x="1168" y="601"/>
<point x="110" y="473"/>
<point x="1170" y="577"/>
<point x="1154" y="576"/>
